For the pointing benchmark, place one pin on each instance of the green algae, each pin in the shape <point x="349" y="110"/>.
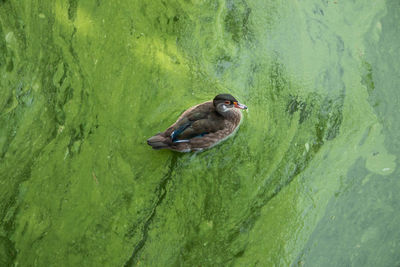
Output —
<point x="309" y="179"/>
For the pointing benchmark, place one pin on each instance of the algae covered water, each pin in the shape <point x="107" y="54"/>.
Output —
<point x="311" y="178"/>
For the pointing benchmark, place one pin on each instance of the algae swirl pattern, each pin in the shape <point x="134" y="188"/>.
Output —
<point x="310" y="178"/>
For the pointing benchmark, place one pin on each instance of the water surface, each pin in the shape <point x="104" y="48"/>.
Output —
<point x="310" y="178"/>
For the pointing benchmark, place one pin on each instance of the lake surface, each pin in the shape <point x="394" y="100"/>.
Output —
<point x="311" y="178"/>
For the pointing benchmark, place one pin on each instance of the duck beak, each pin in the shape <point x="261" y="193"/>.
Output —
<point x="238" y="105"/>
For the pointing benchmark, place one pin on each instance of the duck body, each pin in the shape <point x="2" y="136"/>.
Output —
<point x="202" y="126"/>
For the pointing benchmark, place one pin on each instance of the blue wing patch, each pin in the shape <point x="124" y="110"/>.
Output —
<point x="201" y="135"/>
<point x="178" y="131"/>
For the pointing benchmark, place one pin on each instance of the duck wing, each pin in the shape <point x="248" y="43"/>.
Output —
<point x="195" y="122"/>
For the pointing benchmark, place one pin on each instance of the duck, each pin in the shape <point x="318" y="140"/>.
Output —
<point x="201" y="126"/>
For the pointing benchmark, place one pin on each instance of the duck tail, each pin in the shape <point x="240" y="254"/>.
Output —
<point x="158" y="142"/>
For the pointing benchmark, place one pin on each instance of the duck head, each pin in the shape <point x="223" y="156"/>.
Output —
<point x="224" y="103"/>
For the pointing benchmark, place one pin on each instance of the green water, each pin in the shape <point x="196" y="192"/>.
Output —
<point x="310" y="179"/>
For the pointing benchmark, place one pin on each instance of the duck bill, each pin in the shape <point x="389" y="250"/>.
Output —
<point x="241" y="106"/>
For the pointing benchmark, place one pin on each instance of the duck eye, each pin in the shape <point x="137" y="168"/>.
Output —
<point x="228" y="102"/>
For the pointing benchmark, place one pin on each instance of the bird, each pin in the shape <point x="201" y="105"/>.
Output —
<point x="201" y="126"/>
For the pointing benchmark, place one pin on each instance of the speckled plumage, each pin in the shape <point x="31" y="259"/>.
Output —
<point x="202" y="126"/>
